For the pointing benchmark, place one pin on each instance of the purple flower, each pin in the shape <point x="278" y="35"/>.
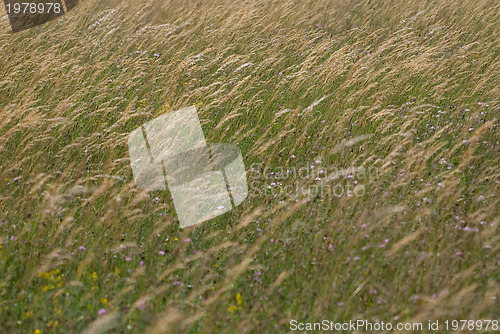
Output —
<point x="340" y="304"/>
<point x="101" y="311"/>
<point x="127" y="259"/>
<point x="386" y="240"/>
<point x="177" y="282"/>
<point x="141" y="263"/>
<point x="187" y="240"/>
<point x="161" y="252"/>
<point x="81" y="248"/>
<point x="141" y="305"/>
<point x="156" y="55"/>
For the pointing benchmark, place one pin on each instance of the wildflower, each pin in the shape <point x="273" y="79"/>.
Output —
<point x="141" y="305"/>
<point x="101" y="311"/>
<point x="53" y="324"/>
<point x="187" y="240"/>
<point x="239" y="299"/>
<point x="141" y="263"/>
<point x="81" y="248"/>
<point x="104" y="301"/>
<point x="127" y="259"/>
<point x="161" y="252"/>
<point x="27" y="315"/>
<point x="177" y="282"/>
<point x="156" y="55"/>
<point x="37" y="331"/>
<point x="94" y="276"/>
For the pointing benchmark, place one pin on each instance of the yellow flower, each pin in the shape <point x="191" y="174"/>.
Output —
<point x="27" y="315"/>
<point x="239" y="299"/>
<point x="104" y="301"/>
<point x="37" y="331"/>
<point x="53" y="324"/>
<point x="94" y="276"/>
<point x="239" y="302"/>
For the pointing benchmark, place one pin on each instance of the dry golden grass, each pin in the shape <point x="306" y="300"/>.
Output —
<point x="407" y="89"/>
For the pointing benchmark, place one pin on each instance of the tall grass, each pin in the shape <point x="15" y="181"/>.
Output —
<point x="408" y="89"/>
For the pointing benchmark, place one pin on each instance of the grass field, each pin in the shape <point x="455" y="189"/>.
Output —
<point x="400" y="98"/>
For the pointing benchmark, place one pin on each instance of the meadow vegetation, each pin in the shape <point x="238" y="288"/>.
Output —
<point x="408" y="88"/>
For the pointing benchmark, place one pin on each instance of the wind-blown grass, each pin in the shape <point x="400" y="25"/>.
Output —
<point x="408" y="89"/>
